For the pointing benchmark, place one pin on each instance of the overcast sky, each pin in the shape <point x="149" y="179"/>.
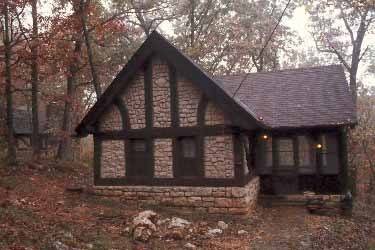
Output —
<point x="298" y="22"/>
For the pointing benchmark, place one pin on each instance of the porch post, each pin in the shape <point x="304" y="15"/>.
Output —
<point x="343" y="142"/>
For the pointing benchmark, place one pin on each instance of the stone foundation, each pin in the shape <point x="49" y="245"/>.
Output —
<point x="216" y="200"/>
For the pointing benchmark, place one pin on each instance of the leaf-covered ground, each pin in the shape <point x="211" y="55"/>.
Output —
<point x="36" y="213"/>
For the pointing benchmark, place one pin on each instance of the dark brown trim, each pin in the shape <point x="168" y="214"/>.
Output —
<point x="97" y="159"/>
<point x="193" y="182"/>
<point x="201" y="112"/>
<point x="123" y="112"/>
<point x="238" y="157"/>
<point x="174" y="96"/>
<point x="148" y="94"/>
<point x="166" y="132"/>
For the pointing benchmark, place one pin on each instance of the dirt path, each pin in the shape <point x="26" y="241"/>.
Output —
<point x="287" y="228"/>
<point x="37" y="213"/>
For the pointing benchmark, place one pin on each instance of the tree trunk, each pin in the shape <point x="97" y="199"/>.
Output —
<point x="65" y="151"/>
<point x="192" y="23"/>
<point x="34" y="83"/>
<point x="95" y="78"/>
<point x="11" y="157"/>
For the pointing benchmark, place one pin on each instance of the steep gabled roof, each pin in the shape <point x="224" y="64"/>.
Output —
<point x="305" y="97"/>
<point x="237" y="112"/>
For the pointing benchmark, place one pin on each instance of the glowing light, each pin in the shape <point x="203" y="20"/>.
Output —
<point x="319" y="145"/>
<point x="265" y="137"/>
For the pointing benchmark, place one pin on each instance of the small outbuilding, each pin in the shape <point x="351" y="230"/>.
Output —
<point x="167" y="133"/>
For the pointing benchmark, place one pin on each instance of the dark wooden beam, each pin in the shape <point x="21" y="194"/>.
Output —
<point x="165" y="132"/>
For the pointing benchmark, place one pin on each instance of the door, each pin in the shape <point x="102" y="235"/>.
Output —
<point x="285" y="175"/>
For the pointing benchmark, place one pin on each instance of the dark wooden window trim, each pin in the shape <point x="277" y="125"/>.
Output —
<point x="180" y="159"/>
<point x="239" y="170"/>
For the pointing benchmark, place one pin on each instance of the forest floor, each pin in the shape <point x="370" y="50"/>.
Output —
<point x="37" y="213"/>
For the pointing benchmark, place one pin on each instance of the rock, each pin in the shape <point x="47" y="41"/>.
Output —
<point x="149" y="214"/>
<point x="89" y="246"/>
<point x="222" y="225"/>
<point x="176" y="234"/>
<point x="58" y="245"/>
<point x="178" y="223"/>
<point x="142" y="234"/>
<point x="68" y="235"/>
<point x="242" y="232"/>
<point x="190" y="246"/>
<point x="214" y="232"/>
<point x="127" y="230"/>
<point x="145" y="219"/>
<point x="161" y="222"/>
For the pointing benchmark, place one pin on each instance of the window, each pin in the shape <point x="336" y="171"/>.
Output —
<point x="329" y="153"/>
<point x="139" y="146"/>
<point x="188" y="164"/>
<point x="138" y="163"/>
<point x="264" y="153"/>
<point x="306" y="155"/>
<point x="285" y="152"/>
<point x="188" y="149"/>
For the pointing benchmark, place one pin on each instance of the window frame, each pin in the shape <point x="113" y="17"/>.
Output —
<point x="138" y="162"/>
<point x="310" y="169"/>
<point x="325" y="169"/>
<point x="184" y="163"/>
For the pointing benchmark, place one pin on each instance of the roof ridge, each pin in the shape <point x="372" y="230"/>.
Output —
<point x="280" y="70"/>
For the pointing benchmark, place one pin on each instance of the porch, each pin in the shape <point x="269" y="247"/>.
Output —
<point x="296" y="161"/>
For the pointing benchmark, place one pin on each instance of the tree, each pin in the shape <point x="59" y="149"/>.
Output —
<point x="83" y="9"/>
<point x="339" y="27"/>
<point x="147" y="15"/>
<point x="362" y="142"/>
<point x="241" y="27"/>
<point x="35" y="80"/>
<point x="8" y="86"/>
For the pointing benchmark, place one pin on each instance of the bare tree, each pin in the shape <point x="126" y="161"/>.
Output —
<point x="336" y="21"/>
<point x="83" y="8"/>
<point x="8" y="86"/>
<point x="35" y="80"/>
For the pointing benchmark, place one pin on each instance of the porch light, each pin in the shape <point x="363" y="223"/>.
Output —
<point x="265" y="137"/>
<point x="319" y="146"/>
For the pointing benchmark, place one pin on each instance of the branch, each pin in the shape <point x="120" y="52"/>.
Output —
<point x="347" y="26"/>
<point x="264" y="47"/>
<point x="364" y="52"/>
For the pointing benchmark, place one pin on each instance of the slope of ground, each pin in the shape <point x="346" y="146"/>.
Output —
<point x="37" y="213"/>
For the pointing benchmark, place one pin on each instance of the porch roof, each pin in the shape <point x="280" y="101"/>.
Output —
<point x="304" y="97"/>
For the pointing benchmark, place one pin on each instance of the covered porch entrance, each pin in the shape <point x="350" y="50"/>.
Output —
<point x="294" y="162"/>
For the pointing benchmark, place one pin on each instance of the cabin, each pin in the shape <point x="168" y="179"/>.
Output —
<point x="167" y="133"/>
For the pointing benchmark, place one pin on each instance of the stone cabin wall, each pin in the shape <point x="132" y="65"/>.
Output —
<point x="218" y="150"/>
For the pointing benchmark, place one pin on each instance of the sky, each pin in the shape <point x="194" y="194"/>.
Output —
<point x="299" y="22"/>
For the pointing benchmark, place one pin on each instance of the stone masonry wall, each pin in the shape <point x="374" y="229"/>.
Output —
<point x="163" y="158"/>
<point x="134" y="99"/>
<point x="188" y="101"/>
<point x="111" y="119"/>
<point x="213" y="115"/>
<point x="222" y="200"/>
<point x="161" y="94"/>
<point x="113" y="159"/>
<point x="218" y="157"/>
